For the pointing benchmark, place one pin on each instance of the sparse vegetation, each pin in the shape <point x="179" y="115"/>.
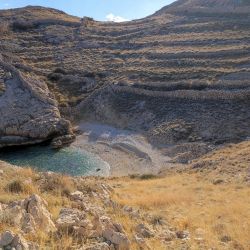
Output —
<point x="182" y="79"/>
<point x="4" y="27"/>
<point x="185" y="201"/>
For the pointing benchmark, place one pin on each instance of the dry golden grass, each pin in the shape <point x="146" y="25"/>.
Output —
<point x="19" y="183"/>
<point x="188" y="202"/>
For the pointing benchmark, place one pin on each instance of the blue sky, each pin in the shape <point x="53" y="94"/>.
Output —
<point x="99" y="9"/>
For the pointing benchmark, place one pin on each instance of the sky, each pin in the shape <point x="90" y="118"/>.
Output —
<point x="109" y="10"/>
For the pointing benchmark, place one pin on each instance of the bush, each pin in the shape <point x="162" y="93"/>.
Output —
<point x="142" y="177"/>
<point x="15" y="186"/>
<point x="23" y="25"/>
<point x="147" y="176"/>
<point x="58" y="184"/>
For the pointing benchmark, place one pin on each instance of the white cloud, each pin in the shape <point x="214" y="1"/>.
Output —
<point x="118" y="19"/>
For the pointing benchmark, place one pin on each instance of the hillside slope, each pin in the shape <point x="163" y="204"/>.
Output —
<point x="202" y="209"/>
<point x="185" y="74"/>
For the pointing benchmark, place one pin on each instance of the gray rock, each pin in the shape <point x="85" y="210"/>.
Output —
<point x="28" y="113"/>
<point x="70" y="218"/>
<point x="6" y="238"/>
<point x="144" y="231"/>
<point x="182" y="235"/>
<point x="30" y="214"/>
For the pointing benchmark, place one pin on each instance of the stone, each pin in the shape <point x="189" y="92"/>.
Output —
<point x="37" y="215"/>
<point x="20" y="243"/>
<point x="9" y="240"/>
<point x="30" y="214"/>
<point x="77" y="196"/>
<point x="167" y="235"/>
<point x="70" y="218"/>
<point x="112" y="233"/>
<point x="34" y="116"/>
<point x="182" y="235"/>
<point x="98" y="246"/>
<point x="144" y="231"/>
<point x="6" y="238"/>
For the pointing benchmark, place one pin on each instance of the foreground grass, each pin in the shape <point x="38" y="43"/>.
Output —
<point x="188" y="202"/>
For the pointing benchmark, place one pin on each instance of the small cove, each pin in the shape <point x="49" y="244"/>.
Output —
<point x="71" y="160"/>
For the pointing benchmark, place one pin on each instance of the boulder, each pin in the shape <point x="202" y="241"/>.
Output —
<point x="114" y="233"/>
<point x="183" y="235"/>
<point x="6" y="238"/>
<point x="30" y="214"/>
<point x="9" y="240"/>
<point x="144" y="231"/>
<point x="167" y="236"/>
<point x="69" y="217"/>
<point x="77" y="196"/>
<point x="74" y="222"/>
<point x="36" y="209"/>
<point x="29" y="113"/>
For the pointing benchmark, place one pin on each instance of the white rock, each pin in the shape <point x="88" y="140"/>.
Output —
<point x="111" y="233"/>
<point x="30" y="214"/>
<point x="68" y="218"/>
<point x="37" y="214"/>
<point x="77" y="196"/>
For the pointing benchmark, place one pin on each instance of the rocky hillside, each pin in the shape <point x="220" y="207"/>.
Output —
<point x="211" y="6"/>
<point x="205" y="206"/>
<point x="179" y="76"/>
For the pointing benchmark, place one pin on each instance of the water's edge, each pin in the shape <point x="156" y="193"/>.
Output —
<point x="72" y="160"/>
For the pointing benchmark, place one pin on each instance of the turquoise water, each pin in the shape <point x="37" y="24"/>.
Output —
<point x="72" y="161"/>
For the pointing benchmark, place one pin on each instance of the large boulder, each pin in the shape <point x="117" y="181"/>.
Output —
<point x="9" y="240"/>
<point x="28" y="111"/>
<point x="112" y="232"/>
<point x="30" y="215"/>
<point x="70" y="218"/>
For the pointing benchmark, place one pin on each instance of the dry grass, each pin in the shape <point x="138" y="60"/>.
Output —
<point x="53" y="190"/>
<point x="188" y="202"/>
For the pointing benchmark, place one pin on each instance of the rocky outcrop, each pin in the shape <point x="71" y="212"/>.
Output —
<point x="9" y="240"/>
<point x="30" y="215"/>
<point x="28" y="112"/>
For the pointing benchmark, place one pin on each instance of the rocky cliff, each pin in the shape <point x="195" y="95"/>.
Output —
<point x="178" y="75"/>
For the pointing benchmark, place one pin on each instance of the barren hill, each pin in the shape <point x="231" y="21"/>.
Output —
<point x="212" y="6"/>
<point x="178" y="76"/>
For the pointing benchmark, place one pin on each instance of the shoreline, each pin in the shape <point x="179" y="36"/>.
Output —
<point x="126" y="152"/>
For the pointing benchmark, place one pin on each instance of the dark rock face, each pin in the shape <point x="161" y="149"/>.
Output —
<point x="183" y="73"/>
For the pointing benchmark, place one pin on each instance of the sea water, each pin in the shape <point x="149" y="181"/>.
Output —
<point x="71" y="160"/>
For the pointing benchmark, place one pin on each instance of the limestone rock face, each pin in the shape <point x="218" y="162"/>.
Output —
<point x="114" y="233"/>
<point x="28" y="111"/>
<point x="30" y="214"/>
<point x="70" y="218"/>
<point x="9" y="240"/>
